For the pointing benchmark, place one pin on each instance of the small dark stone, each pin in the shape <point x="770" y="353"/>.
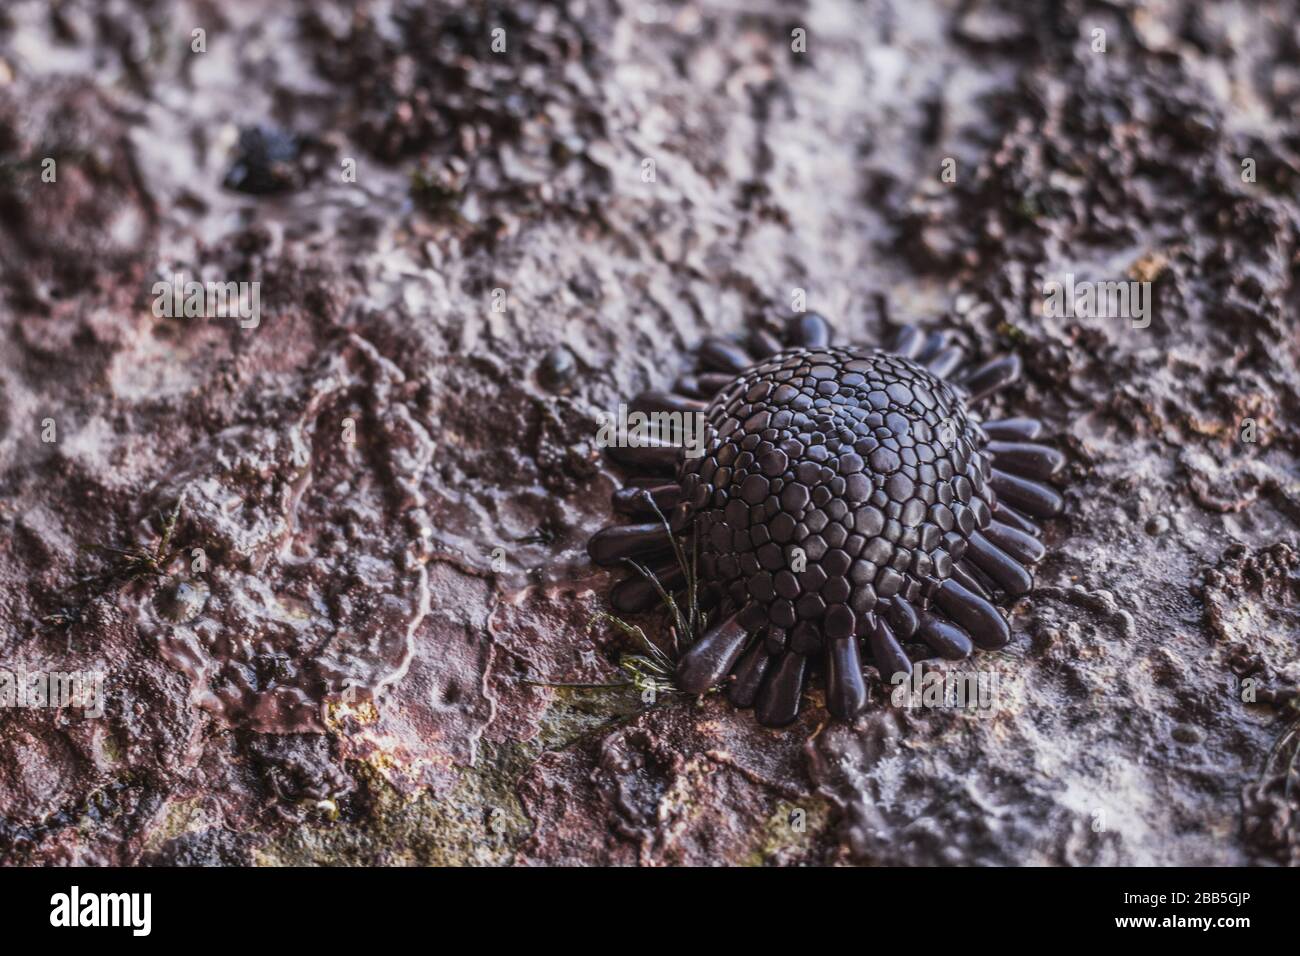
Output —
<point x="266" y="162"/>
<point x="557" y="370"/>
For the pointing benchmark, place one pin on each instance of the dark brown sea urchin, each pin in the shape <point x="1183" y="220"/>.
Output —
<point x="844" y="497"/>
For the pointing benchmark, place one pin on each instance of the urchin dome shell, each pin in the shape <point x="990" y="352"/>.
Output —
<point x="833" y="478"/>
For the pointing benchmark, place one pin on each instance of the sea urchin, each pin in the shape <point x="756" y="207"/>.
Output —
<point x="849" y="505"/>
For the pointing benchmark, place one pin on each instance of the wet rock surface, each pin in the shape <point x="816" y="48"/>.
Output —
<point x="330" y="563"/>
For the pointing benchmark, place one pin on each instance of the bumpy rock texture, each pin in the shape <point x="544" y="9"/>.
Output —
<point x="391" y="477"/>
